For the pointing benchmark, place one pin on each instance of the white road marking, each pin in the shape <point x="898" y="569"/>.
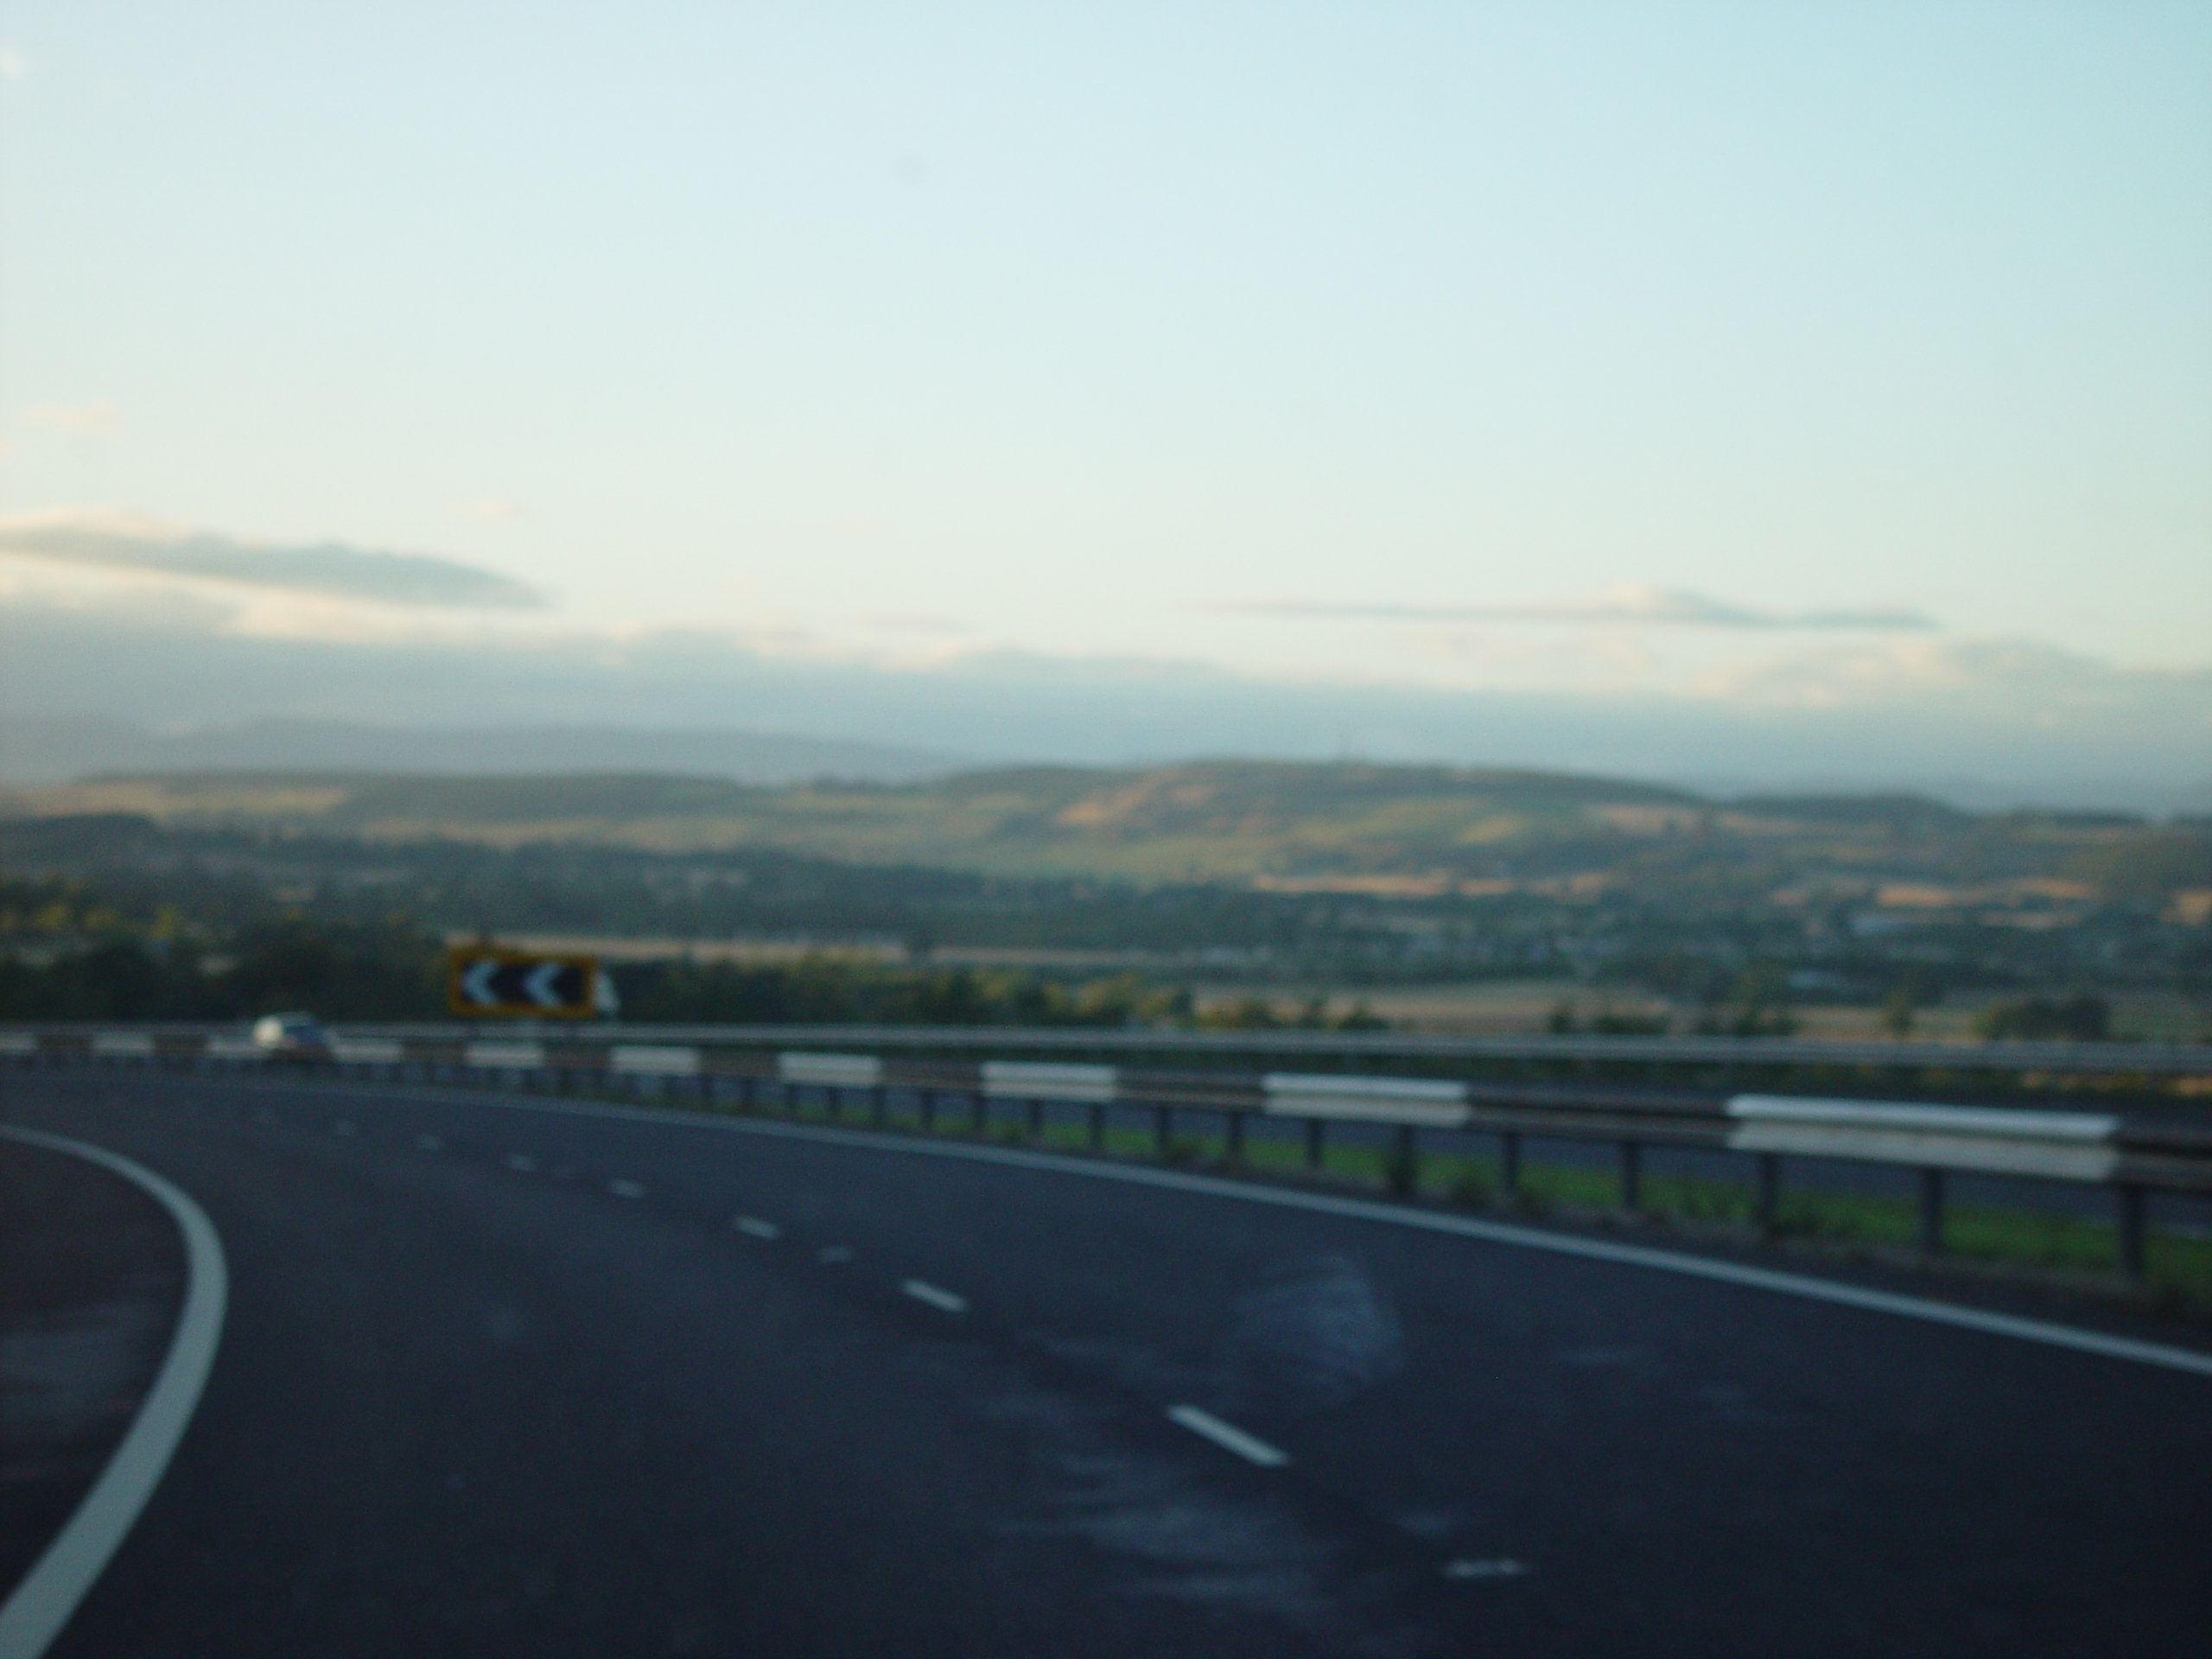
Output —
<point x="834" y="1253"/>
<point x="1228" y="1436"/>
<point x="521" y="1160"/>
<point x="1499" y="1568"/>
<point x="429" y="1142"/>
<point x="34" y="1614"/>
<point x="627" y="1189"/>
<point x="922" y="1290"/>
<point x="2046" y="1331"/>
<point x="1775" y="1280"/>
<point x="757" y="1227"/>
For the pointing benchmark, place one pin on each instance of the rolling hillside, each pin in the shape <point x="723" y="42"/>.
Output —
<point x="1386" y="831"/>
<point x="1220" y="820"/>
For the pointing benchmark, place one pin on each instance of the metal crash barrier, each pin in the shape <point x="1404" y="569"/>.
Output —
<point x="2131" y="1155"/>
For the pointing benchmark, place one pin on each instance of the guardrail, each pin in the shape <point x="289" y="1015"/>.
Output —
<point x="1394" y="1051"/>
<point x="2132" y="1155"/>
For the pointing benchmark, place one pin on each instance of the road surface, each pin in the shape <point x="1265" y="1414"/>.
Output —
<point x="520" y="1379"/>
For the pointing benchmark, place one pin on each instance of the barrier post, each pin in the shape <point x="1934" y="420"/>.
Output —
<point x="1163" y="1124"/>
<point x="1631" y="1176"/>
<point x="1403" y="1175"/>
<point x="1317" y="1131"/>
<point x="1036" y="1119"/>
<point x="1233" y="1137"/>
<point x="2133" y="1229"/>
<point x="1931" y="1212"/>
<point x="1508" y="1162"/>
<point x="1766" y="1199"/>
<point x="1098" y="1126"/>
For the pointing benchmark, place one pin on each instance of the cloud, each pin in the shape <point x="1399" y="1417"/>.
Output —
<point x="911" y="622"/>
<point x="96" y="420"/>
<point x="1638" y="604"/>
<point x="1995" y="721"/>
<point x="2024" y="680"/>
<point x="116" y="540"/>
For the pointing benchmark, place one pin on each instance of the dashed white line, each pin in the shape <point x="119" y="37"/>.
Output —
<point x="521" y="1160"/>
<point x="834" y="1253"/>
<point x="1708" y="1268"/>
<point x="922" y="1290"/>
<point x="757" y="1227"/>
<point x="1228" y="1436"/>
<point x="1500" y="1567"/>
<point x="627" y="1189"/>
<point x="429" y="1142"/>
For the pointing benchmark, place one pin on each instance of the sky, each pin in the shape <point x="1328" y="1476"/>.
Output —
<point x="1483" y="383"/>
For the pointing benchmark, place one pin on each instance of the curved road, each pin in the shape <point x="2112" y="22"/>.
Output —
<point x="502" y="1378"/>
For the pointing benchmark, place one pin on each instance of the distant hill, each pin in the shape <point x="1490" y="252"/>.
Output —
<point x="1900" y="813"/>
<point x="56" y="750"/>
<point x="1305" y="842"/>
<point x="1215" y="820"/>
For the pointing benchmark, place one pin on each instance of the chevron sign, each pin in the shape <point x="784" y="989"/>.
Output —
<point x="482" y="981"/>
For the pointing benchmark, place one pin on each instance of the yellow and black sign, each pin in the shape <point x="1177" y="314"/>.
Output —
<point x="484" y="982"/>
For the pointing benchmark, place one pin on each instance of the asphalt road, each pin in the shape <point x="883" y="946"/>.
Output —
<point x="497" y="1380"/>
<point x="91" y="1279"/>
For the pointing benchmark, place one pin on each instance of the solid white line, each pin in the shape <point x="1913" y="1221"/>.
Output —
<point x="627" y="1189"/>
<point x="1228" y="1436"/>
<point x="757" y="1227"/>
<point x="922" y="1290"/>
<point x="1496" y="1232"/>
<point x="49" y="1593"/>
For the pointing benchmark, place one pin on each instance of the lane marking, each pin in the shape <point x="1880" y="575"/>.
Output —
<point x="1502" y="1567"/>
<point x="757" y="1227"/>
<point x="627" y="1189"/>
<point x="43" y="1602"/>
<point x="834" y="1253"/>
<point x="429" y="1142"/>
<point x="922" y="1290"/>
<point x="1228" y="1436"/>
<point x="521" y="1160"/>
<point x="1776" y="1280"/>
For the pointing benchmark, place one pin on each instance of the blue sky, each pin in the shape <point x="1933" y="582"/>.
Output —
<point x="1741" y="358"/>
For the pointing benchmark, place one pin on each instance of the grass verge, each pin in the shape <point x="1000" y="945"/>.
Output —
<point x="2043" y="1242"/>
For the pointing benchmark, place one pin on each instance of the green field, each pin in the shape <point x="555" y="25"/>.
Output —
<point x="2079" y="1250"/>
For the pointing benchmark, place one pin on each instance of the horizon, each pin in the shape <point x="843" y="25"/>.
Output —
<point x="779" y="760"/>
